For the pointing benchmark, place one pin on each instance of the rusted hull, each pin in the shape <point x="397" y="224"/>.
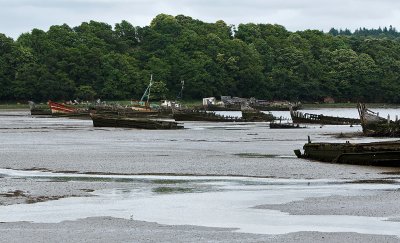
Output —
<point x="139" y="123"/>
<point x="377" y="154"/>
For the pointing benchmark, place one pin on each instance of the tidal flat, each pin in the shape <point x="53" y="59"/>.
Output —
<point x="221" y="182"/>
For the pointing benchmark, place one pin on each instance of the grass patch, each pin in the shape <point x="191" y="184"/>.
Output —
<point x="18" y="106"/>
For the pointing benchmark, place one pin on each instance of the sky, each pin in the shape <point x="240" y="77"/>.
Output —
<point x="20" y="16"/>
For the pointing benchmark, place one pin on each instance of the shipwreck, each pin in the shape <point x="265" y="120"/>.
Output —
<point x="299" y="117"/>
<point x="139" y="123"/>
<point x="376" y="126"/>
<point x="376" y="153"/>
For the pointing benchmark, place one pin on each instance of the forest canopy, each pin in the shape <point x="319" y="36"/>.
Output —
<point x="266" y="61"/>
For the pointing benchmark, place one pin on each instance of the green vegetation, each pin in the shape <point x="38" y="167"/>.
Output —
<point x="14" y="106"/>
<point x="96" y="60"/>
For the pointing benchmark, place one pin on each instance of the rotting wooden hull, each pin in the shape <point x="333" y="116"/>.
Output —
<point x="40" y="112"/>
<point x="139" y="123"/>
<point x="134" y="114"/>
<point x="61" y="110"/>
<point x="274" y="125"/>
<point x="256" y="116"/>
<point x="273" y="107"/>
<point x="237" y="107"/>
<point x="222" y="108"/>
<point x="375" y="126"/>
<point x="377" y="154"/>
<point x="203" y="116"/>
<point x="76" y="115"/>
<point x="299" y="117"/>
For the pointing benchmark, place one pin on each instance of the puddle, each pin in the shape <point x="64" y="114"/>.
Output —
<point x="204" y="201"/>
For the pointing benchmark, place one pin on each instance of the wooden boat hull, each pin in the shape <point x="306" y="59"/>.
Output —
<point x="203" y="116"/>
<point x="134" y="114"/>
<point x="375" y="126"/>
<point x="299" y="117"/>
<point x="77" y="115"/>
<point x="255" y="106"/>
<point x="274" y="125"/>
<point x="257" y="116"/>
<point x="61" y="110"/>
<point x="274" y="107"/>
<point x="139" y="123"/>
<point x="377" y="154"/>
<point x="40" y="112"/>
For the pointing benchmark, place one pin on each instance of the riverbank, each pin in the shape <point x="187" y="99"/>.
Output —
<point x="346" y="105"/>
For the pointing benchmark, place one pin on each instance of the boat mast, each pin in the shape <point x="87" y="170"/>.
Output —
<point x="147" y="91"/>
<point x="180" y="95"/>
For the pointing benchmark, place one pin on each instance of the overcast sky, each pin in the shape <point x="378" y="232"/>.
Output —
<point x="18" y="16"/>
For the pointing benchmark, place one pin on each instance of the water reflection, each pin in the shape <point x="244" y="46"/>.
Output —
<point x="205" y="201"/>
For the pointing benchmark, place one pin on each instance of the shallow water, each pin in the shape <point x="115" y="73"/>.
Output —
<point x="226" y="202"/>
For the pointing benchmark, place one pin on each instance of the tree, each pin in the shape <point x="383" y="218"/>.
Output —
<point x="85" y="92"/>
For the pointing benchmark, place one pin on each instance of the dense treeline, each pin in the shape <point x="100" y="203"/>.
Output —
<point x="95" y="60"/>
<point x="390" y="32"/>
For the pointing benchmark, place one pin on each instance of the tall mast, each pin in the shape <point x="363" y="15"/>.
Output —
<point x="147" y="91"/>
<point x="180" y="95"/>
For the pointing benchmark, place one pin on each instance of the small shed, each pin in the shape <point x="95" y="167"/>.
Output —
<point x="209" y="101"/>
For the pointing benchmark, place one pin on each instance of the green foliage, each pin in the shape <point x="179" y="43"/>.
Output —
<point x="95" y="60"/>
<point x="85" y="92"/>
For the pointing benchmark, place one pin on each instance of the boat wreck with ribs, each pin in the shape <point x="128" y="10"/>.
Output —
<point x="300" y="117"/>
<point x="138" y="123"/>
<point x="250" y="114"/>
<point x="376" y="153"/>
<point x="376" y="126"/>
<point x="39" y="110"/>
<point x="201" y="115"/>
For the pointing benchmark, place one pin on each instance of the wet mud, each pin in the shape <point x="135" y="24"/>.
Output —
<point x="75" y="149"/>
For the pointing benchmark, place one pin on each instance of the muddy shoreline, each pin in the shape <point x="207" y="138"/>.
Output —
<point x="74" y="146"/>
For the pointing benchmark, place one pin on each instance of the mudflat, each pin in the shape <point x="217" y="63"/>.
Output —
<point x="73" y="149"/>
